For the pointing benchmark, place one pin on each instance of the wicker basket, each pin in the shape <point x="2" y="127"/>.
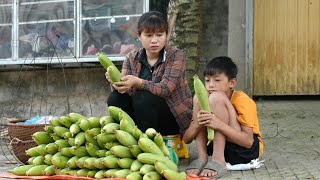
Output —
<point x="21" y="137"/>
<point x="19" y="149"/>
<point x="23" y="132"/>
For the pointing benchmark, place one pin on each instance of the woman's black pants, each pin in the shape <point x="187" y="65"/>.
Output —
<point x="147" y="110"/>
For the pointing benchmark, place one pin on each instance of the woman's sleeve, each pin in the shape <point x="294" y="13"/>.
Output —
<point x="126" y="67"/>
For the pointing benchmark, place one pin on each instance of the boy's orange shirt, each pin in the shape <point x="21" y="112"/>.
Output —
<point x="247" y="114"/>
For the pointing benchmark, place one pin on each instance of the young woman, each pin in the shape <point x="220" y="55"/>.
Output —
<point x="153" y="89"/>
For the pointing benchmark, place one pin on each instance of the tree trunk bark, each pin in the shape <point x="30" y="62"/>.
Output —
<point x="186" y="33"/>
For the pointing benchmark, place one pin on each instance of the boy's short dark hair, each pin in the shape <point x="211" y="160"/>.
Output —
<point x="153" y="21"/>
<point x="221" y="64"/>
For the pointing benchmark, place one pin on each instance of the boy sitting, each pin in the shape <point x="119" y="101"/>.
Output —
<point x="237" y="137"/>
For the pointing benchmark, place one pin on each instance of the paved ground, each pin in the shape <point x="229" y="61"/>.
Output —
<point x="292" y="140"/>
<point x="291" y="136"/>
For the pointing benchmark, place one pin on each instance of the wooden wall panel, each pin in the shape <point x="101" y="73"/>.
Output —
<point x="302" y="49"/>
<point x="313" y="44"/>
<point x="281" y="66"/>
<point x="258" y="48"/>
<point x="291" y="47"/>
<point x="270" y="46"/>
<point x="286" y="47"/>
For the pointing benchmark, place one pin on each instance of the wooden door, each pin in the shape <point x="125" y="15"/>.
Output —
<point x="286" y="47"/>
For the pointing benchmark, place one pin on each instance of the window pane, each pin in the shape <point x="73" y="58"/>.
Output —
<point x="110" y="26"/>
<point x="48" y="10"/>
<point x="46" y="29"/>
<point x="5" y="42"/>
<point x="110" y="38"/>
<point x="5" y="14"/>
<point x="6" y="1"/>
<point x="93" y="8"/>
<point x="46" y="40"/>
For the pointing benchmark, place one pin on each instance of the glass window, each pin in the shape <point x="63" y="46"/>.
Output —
<point x="5" y="2"/>
<point x="65" y="29"/>
<point x="92" y="8"/>
<point x="30" y="10"/>
<point x="46" y="29"/>
<point x="5" y="29"/>
<point x="6" y="13"/>
<point x="54" y="39"/>
<point x="110" y="26"/>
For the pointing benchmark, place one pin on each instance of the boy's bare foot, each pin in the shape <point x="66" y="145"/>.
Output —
<point x="195" y="167"/>
<point x="214" y="169"/>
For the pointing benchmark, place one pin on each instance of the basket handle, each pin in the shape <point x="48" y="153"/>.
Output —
<point x="17" y="140"/>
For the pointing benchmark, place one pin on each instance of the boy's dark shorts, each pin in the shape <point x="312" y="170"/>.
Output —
<point x="235" y="154"/>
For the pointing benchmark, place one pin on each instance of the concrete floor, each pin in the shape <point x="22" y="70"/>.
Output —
<point x="292" y="139"/>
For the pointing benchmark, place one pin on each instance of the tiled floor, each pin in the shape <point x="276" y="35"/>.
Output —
<point x="292" y="141"/>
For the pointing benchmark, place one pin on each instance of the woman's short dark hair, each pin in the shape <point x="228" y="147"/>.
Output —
<point x="152" y="21"/>
<point x="221" y="64"/>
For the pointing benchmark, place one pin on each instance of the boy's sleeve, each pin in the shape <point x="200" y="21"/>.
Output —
<point x="246" y="111"/>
